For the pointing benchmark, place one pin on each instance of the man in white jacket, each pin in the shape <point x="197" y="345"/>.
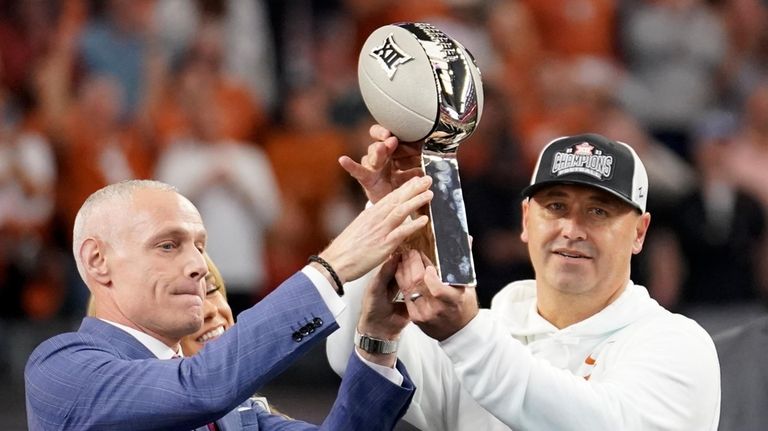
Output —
<point x="581" y="347"/>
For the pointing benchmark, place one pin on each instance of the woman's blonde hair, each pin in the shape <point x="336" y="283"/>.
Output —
<point x="215" y="275"/>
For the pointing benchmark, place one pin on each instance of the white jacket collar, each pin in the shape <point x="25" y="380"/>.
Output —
<point x="515" y="305"/>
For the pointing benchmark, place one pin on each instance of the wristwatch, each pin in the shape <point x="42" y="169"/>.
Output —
<point x="376" y="346"/>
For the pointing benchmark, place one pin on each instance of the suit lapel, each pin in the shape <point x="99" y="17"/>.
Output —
<point x="125" y="345"/>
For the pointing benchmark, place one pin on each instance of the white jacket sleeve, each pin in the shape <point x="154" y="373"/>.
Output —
<point x="439" y="403"/>
<point x="663" y="375"/>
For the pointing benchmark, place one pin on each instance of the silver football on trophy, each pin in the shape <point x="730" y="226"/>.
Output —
<point x="423" y="85"/>
<point x="419" y="83"/>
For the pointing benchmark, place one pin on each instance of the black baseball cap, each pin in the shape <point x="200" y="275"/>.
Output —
<point x="592" y="160"/>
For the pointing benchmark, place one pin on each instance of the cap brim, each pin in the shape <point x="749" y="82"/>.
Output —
<point x="533" y="188"/>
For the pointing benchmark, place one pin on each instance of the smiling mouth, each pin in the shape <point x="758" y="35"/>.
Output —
<point x="571" y="255"/>
<point x="210" y="335"/>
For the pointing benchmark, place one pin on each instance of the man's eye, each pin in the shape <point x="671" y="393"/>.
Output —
<point x="599" y="212"/>
<point x="555" y="206"/>
<point x="167" y="246"/>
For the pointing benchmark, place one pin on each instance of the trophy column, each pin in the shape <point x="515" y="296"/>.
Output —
<point x="451" y="250"/>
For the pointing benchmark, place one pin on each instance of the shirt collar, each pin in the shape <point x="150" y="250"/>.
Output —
<point x="157" y="347"/>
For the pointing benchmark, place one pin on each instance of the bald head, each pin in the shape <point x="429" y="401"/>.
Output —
<point x="140" y="247"/>
<point x="93" y="218"/>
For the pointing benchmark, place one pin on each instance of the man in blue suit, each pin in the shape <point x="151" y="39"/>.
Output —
<point x="139" y="248"/>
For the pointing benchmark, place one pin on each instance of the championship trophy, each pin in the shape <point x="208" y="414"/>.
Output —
<point x="422" y="85"/>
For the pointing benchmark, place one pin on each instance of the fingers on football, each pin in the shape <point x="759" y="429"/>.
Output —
<point x="380" y="153"/>
<point x="379" y="133"/>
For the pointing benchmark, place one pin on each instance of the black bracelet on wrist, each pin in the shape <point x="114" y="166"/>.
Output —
<point x="327" y="266"/>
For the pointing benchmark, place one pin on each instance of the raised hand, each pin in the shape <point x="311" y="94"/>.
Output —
<point x="438" y="309"/>
<point x="387" y="165"/>
<point x="380" y="316"/>
<point x="378" y="230"/>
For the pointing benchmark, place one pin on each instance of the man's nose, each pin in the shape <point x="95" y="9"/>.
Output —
<point x="196" y="267"/>
<point x="572" y="228"/>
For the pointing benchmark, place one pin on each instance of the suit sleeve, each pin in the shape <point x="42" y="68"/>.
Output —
<point x="77" y="381"/>
<point x="366" y="401"/>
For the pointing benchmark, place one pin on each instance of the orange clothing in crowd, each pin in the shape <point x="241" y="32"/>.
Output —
<point x="89" y="162"/>
<point x="240" y="117"/>
<point x="576" y="27"/>
<point x="306" y="165"/>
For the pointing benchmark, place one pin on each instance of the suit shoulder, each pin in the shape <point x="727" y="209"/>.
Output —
<point x="61" y="352"/>
<point x="64" y="341"/>
<point x="54" y="375"/>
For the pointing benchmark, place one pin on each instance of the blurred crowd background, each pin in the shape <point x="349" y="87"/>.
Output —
<point x="246" y="105"/>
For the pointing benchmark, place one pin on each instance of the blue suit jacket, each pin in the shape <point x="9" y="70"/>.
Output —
<point x="101" y="377"/>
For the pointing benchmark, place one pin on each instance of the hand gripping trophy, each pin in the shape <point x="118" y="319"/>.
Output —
<point x="422" y="85"/>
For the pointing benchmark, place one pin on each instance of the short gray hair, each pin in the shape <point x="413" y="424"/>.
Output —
<point x="121" y="191"/>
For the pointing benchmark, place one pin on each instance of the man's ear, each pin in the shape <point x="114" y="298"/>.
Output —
<point x="94" y="260"/>
<point x="640" y="230"/>
<point x="524" y="232"/>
